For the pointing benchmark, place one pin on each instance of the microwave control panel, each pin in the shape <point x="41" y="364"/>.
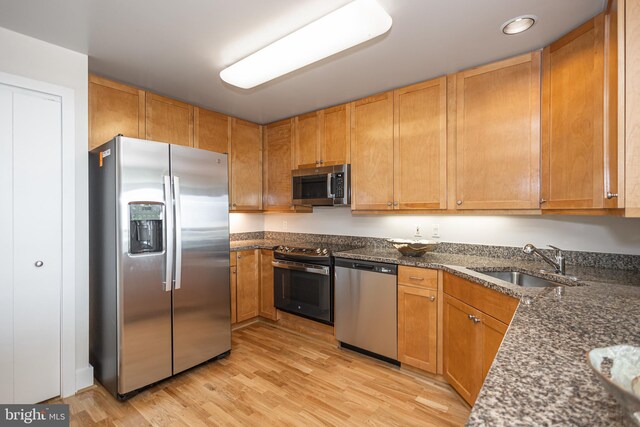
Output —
<point x="339" y="192"/>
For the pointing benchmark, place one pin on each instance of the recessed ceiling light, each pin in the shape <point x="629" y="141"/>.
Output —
<point x="352" y="24"/>
<point x="518" y="24"/>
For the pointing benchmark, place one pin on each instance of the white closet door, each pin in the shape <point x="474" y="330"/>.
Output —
<point x="37" y="245"/>
<point x="6" y="246"/>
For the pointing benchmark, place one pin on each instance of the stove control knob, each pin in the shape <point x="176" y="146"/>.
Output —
<point x="286" y="249"/>
<point x="325" y="251"/>
<point x="318" y="251"/>
<point x="280" y="248"/>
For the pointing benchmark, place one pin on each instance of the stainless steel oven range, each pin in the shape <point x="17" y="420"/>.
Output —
<point x="303" y="282"/>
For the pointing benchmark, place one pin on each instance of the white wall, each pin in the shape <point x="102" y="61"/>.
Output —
<point x="245" y="222"/>
<point x="581" y="233"/>
<point x="35" y="59"/>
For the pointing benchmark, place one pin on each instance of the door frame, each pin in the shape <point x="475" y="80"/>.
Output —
<point x="68" y="289"/>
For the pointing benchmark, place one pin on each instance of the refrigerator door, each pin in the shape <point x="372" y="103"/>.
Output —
<point x="144" y="301"/>
<point x="201" y="296"/>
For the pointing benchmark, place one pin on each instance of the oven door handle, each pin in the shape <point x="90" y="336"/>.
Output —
<point x="301" y="267"/>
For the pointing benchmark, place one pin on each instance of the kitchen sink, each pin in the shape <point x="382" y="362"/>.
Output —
<point x="521" y="279"/>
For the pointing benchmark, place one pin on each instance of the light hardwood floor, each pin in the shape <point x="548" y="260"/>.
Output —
<point x="277" y="377"/>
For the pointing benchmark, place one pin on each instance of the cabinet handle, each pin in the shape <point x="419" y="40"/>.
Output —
<point x="432" y="298"/>
<point x="611" y="195"/>
<point x="474" y="318"/>
<point x="389" y="203"/>
<point x="321" y="161"/>
<point x="239" y="256"/>
<point x="458" y="202"/>
<point x="395" y="203"/>
<point x="234" y="205"/>
<point x="38" y="264"/>
<point x="416" y="278"/>
<point x="542" y="200"/>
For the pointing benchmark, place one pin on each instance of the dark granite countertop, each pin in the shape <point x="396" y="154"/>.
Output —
<point x="245" y="245"/>
<point x="540" y="375"/>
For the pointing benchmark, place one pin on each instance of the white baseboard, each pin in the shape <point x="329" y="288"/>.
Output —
<point x="84" y="377"/>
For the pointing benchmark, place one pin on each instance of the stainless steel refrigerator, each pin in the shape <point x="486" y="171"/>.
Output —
<point x="159" y="261"/>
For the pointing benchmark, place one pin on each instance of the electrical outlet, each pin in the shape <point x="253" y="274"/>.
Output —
<point x="418" y="231"/>
<point x="284" y="225"/>
<point x="436" y="231"/>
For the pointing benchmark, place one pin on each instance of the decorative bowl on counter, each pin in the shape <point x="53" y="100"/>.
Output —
<point x="618" y="368"/>
<point x="414" y="248"/>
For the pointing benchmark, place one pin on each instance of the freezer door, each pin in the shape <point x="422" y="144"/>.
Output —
<point x="144" y="300"/>
<point x="201" y="297"/>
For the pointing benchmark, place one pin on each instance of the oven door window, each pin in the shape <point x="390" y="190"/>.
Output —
<point x="310" y="187"/>
<point x="303" y="293"/>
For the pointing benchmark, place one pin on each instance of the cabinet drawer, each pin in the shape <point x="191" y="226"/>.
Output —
<point x="233" y="259"/>
<point x="420" y="277"/>
<point x="488" y="301"/>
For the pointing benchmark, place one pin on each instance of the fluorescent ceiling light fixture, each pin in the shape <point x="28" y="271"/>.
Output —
<point x="352" y="24"/>
<point x="518" y="24"/>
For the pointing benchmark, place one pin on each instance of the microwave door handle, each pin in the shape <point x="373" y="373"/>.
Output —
<point x="330" y="193"/>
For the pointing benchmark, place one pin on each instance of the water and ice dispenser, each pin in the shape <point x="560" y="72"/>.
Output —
<point x="145" y="225"/>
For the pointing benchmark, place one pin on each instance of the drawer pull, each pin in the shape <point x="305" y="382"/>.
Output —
<point x="432" y="298"/>
<point x="474" y="318"/>
<point x="416" y="278"/>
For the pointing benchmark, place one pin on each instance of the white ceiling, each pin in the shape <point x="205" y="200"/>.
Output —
<point x="178" y="47"/>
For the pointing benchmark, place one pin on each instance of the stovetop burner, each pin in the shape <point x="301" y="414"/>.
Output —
<point x="292" y="250"/>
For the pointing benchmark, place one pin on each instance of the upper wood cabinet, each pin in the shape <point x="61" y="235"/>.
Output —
<point x="307" y="140"/>
<point x="323" y="138"/>
<point x="579" y="167"/>
<point x="246" y="166"/>
<point x="631" y="116"/>
<point x="278" y="141"/>
<point x="267" y="308"/>
<point x="497" y="155"/>
<point x="420" y="146"/>
<point x="169" y="120"/>
<point x="372" y="153"/>
<point x="211" y="130"/>
<point x="114" y="109"/>
<point x="335" y="141"/>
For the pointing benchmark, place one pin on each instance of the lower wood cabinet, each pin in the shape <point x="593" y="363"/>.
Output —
<point x="417" y="327"/>
<point x="471" y="336"/>
<point x="248" y="284"/>
<point x="233" y="284"/>
<point x="267" y="309"/>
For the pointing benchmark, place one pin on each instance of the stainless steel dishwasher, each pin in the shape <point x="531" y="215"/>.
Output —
<point x="366" y="307"/>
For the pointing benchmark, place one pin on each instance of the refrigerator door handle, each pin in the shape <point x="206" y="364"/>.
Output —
<point x="178" y="222"/>
<point x="168" y="208"/>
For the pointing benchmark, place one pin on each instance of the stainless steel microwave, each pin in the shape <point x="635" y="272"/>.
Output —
<point x="323" y="186"/>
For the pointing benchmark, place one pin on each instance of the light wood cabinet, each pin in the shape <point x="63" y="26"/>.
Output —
<point x="475" y="320"/>
<point x="420" y="146"/>
<point x="578" y="163"/>
<point x="335" y="141"/>
<point x="248" y="284"/>
<point x="278" y="161"/>
<point x="631" y="129"/>
<point x="417" y="327"/>
<point x="372" y="153"/>
<point x="307" y="140"/>
<point x="211" y="130"/>
<point x="497" y="154"/>
<point x="168" y="120"/>
<point x="233" y="288"/>
<point x="267" y="308"/>
<point x="246" y="166"/>
<point x="114" y="109"/>
<point x="323" y="138"/>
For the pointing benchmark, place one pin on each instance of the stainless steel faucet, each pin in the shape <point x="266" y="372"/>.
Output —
<point x="559" y="262"/>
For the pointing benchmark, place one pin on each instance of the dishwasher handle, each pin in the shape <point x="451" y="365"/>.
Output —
<point x="374" y="267"/>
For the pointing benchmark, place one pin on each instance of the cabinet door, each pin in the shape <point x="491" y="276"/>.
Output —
<point x="498" y="135"/>
<point x="372" y="153"/>
<point x="211" y="130"/>
<point x="267" y="309"/>
<point x="307" y="140"/>
<point x="492" y="334"/>
<point x="169" y="120"/>
<point x="233" y="283"/>
<point x="277" y="166"/>
<point x="462" y="351"/>
<point x="246" y="166"/>
<point x="335" y="142"/>
<point x="114" y="109"/>
<point x="420" y="146"/>
<point x="417" y="322"/>
<point x="573" y="125"/>
<point x="247" y="284"/>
